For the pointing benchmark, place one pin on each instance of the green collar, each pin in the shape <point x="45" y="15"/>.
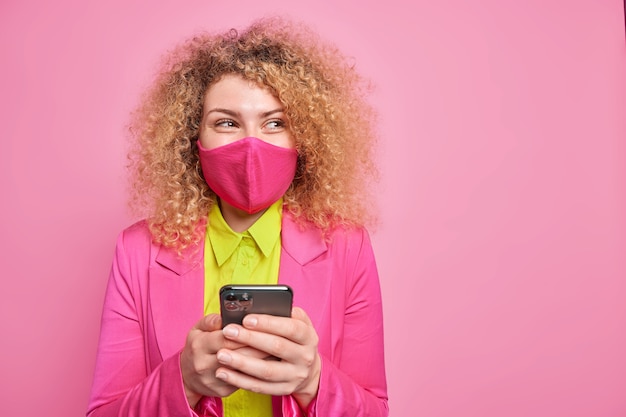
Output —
<point x="265" y="231"/>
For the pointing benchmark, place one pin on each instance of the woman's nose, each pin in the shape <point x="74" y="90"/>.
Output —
<point x="251" y="130"/>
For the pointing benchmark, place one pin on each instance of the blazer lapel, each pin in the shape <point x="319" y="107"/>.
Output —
<point x="304" y="267"/>
<point x="303" y="245"/>
<point x="176" y="296"/>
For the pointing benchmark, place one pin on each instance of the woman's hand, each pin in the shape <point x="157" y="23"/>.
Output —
<point x="198" y="361"/>
<point x="293" y="341"/>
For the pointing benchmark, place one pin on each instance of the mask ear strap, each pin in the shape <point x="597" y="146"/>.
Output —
<point x="300" y="167"/>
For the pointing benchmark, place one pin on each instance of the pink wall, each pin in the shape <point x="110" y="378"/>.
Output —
<point x="503" y="242"/>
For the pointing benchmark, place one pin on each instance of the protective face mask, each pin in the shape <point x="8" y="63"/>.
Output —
<point x="248" y="174"/>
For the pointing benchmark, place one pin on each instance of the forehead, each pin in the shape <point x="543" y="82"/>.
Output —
<point x="232" y="88"/>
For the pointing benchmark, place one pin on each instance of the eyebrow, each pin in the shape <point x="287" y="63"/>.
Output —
<point x="235" y="114"/>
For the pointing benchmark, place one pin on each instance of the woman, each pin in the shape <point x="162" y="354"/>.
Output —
<point x="252" y="155"/>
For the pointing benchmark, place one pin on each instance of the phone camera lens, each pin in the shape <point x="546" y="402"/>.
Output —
<point x="231" y="297"/>
<point x="244" y="297"/>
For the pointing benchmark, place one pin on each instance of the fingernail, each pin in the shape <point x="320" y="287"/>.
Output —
<point x="231" y="331"/>
<point x="250" y="321"/>
<point x="223" y="357"/>
<point x="221" y="375"/>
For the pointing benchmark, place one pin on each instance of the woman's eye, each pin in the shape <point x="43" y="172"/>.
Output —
<point x="275" y="124"/>
<point x="225" y="123"/>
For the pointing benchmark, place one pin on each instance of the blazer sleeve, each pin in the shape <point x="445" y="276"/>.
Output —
<point x="353" y="383"/>
<point x="123" y="384"/>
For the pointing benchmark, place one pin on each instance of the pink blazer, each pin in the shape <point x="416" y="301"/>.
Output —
<point x="154" y="298"/>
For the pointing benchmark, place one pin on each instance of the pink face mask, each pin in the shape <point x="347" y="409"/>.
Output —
<point x="248" y="174"/>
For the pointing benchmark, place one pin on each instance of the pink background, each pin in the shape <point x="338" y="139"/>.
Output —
<point x="502" y="248"/>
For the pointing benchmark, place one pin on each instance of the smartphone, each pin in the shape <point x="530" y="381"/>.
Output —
<point x="238" y="300"/>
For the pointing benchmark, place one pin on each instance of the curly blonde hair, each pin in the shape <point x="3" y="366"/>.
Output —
<point x="324" y="100"/>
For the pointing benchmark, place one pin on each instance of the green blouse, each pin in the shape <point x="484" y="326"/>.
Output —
<point x="251" y="257"/>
